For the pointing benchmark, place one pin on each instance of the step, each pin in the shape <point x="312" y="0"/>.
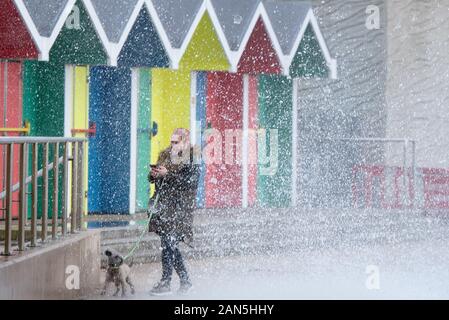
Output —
<point x="267" y="248"/>
<point x="150" y="246"/>
<point x="217" y="243"/>
<point x="249" y="229"/>
<point x="233" y="219"/>
<point x="237" y="233"/>
<point x="227" y="224"/>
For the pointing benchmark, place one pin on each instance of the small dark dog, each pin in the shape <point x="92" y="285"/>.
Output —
<point x="117" y="272"/>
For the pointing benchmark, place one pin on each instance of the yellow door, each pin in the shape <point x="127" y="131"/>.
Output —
<point x="80" y="116"/>
<point x="170" y="107"/>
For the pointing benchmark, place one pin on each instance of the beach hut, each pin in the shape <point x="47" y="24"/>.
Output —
<point x="120" y="107"/>
<point x="305" y="54"/>
<point x="56" y="93"/>
<point x="28" y="29"/>
<point x="231" y="103"/>
<point x="196" y="45"/>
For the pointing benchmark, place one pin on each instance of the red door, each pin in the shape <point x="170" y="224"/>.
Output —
<point x="224" y="114"/>
<point x="253" y="125"/>
<point x="10" y="117"/>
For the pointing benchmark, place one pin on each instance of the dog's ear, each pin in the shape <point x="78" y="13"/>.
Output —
<point x="118" y="260"/>
<point x="108" y="253"/>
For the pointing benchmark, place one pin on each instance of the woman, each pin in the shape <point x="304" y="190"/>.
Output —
<point x="176" y="178"/>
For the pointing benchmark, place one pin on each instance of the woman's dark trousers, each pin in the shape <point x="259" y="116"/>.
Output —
<point x="172" y="259"/>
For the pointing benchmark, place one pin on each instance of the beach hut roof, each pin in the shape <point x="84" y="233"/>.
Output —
<point x="44" y="20"/>
<point x="118" y="17"/>
<point x="115" y="15"/>
<point x="178" y="18"/>
<point x="287" y="18"/>
<point x="95" y="11"/>
<point x="235" y="18"/>
<point x="45" y="14"/>
<point x="176" y="22"/>
<point x="228" y="12"/>
<point x="289" y="21"/>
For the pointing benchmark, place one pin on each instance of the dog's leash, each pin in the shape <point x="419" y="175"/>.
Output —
<point x="151" y="212"/>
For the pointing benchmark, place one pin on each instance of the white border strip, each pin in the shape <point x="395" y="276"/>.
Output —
<point x="133" y="141"/>
<point x="193" y="102"/>
<point x="231" y="55"/>
<point x="61" y="22"/>
<point x="180" y="52"/>
<point x="39" y="41"/>
<point x="68" y="99"/>
<point x="44" y="44"/>
<point x="294" y="194"/>
<point x="175" y="54"/>
<point x="117" y="47"/>
<point x="108" y="47"/>
<point x="171" y="52"/>
<point x="245" y="143"/>
<point x="68" y="115"/>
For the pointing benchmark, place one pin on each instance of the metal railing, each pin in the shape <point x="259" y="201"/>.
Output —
<point x="71" y="150"/>
<point x="334" y="168"/>
<point x="406" y="145"/>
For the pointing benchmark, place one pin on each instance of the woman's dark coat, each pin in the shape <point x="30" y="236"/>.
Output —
<point x="177" y="194"/>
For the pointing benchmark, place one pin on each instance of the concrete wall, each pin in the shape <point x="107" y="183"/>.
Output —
<point x="40" y="273"/>
<point x="418" y="78"/>
<point x="393" y="83"/>
<point x="353" y="106"/>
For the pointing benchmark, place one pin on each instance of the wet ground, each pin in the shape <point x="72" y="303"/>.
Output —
<point x="413" y="270"/>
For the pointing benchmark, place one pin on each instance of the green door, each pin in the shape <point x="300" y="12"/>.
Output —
<point x="144" y="133"/>
<point x="274" y="181"/>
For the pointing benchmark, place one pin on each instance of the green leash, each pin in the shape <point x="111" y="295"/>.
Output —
<point x="136" y="245"/>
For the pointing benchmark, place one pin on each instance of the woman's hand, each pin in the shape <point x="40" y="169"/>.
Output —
<point x="159" y="171"/>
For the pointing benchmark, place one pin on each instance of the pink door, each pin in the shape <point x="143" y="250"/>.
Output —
<point x="10" y="117"/>
<point x="224" y="114"/>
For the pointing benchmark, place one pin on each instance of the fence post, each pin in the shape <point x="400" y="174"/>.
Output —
<point x="74" y="187"/>
<point x="8" y="212"/>
<point x="80" y="187"/>
<point x="414" y="171"/>
<point x="54" y="229"/>
<point x="23" y="194"/>
<point x="44" y="213"/>
<point x="65" y="188"/>
<point x="404" y="175"/>
<point x="34" y="196"/>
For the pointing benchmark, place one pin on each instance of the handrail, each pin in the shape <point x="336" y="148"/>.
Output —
<point x="92" y="131"/>
<point x="26" y="129"/>
<point x="19" y="140"/>
<point x="30" y="178"/>
<point x="73" y="151"/>
<point x="356" y="139"/>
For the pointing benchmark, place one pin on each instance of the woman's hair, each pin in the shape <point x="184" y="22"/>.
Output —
<point x="185" y="136"/>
